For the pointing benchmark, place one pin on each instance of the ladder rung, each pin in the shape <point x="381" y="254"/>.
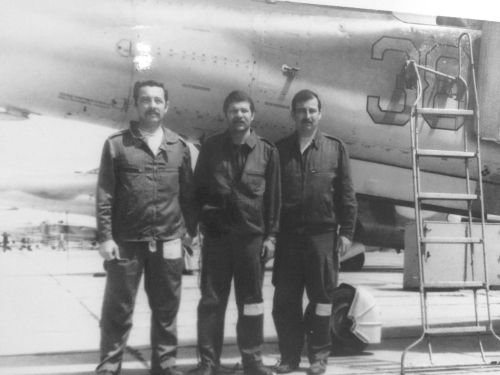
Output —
<point x="446" y="154"/>
<point x="464" y="240"/>
<point x="445" y="111"/>
<point x="447" y="196"/>
<point x="455" y="284"/>
<point x="456" y="330"/>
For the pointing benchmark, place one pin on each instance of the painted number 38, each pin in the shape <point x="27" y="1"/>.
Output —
<point x="393" y="106"/>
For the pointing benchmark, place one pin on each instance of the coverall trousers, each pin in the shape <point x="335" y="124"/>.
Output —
<point x="163" y="277"/>
<point x="307" y="261"/>
<point x="234" y="255"/>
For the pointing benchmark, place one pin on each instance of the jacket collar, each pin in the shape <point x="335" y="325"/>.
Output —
<point x="169" y="137"/>
<point x="251" y="140"/>
<point x="315" y="141"/>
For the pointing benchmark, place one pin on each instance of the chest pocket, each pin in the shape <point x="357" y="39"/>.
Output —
<point x="168" y="179"/>
<point x="131" y="177"/>
<point x="321" y="188"/>
<point x="255" y="181"/>
<point x="321" y="181"/>
<point x="221" y="182"/>
<point x="130" y="169"/>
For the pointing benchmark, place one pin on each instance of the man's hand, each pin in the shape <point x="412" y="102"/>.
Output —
<point x="268" y="249"/>
<point x="343" y="245"/>
<point x="187" y="240"/>
<point x="187" y="244"/>
<point x="109" y="250"/>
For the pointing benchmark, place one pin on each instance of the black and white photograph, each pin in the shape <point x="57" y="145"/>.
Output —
<point x="249" y="187"/>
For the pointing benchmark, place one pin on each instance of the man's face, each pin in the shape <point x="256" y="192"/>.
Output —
<point x="239" y="117"/>
<point x="151" y="105"/>
<point x="307" y="116"/>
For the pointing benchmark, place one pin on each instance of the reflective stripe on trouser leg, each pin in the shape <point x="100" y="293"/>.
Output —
<point x="320" y="274"/>
<point x="317" y="323"/>
<point x="248" y="292"/>
<point x="250" y="332"/>
<point x="323" y="309"/>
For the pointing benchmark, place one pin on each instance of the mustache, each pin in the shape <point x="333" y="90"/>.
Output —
<point x="152" y="111"/>
<point x="305" y="121"/>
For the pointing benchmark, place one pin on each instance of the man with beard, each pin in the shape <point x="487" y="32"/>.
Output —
<point x="317" y="199"/>
<point x="238" y="189"/>
<point x="145" y="194"/>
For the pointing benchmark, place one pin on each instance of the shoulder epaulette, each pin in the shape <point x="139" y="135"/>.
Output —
<point x="120" y="132"/>
<point x="213" y="135"/>
<point x="333" y="138"/>
<point x="218" y="132"/>
<point x="266" y="141"/>
<point x="171" y="136"/>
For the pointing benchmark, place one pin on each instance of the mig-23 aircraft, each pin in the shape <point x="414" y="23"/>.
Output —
<point x="79" y="60"/>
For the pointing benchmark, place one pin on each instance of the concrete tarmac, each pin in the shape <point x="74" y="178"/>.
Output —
<point x="50" y="304"/>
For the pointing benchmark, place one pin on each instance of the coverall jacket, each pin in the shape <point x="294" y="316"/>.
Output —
<point x="317" y="198"/>
<point x="238" y="190"/>
<point x="143" y="201"/>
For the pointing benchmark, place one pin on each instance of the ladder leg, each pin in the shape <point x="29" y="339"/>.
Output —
<point x="476" y="307"/>
<point x="408" y="348"/>
<point x="477" y="125"/>
<point x="480" y="343"/>
<point x="429" y="346"/>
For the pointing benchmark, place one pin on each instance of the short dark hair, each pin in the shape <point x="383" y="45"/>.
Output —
<point x="304" y="95"/>
<point x="236" y="97"/>
<point x="139" y="84"/>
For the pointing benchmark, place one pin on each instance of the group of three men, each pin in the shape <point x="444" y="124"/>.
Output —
<point x="248" y="197"/>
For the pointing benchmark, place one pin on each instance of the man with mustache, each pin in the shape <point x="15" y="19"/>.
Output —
<point x="145" y="200"/>
<point x="238" y="189"/>
<point x="317" y="201"/>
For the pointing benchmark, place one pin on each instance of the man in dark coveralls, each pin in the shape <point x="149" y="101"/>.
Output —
<point x="317" y="200"/>
<point x="145" y="199"/>
<point x="238" y="189"/>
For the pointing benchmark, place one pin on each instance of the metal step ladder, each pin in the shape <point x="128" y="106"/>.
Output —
<point x="472" y="244"/>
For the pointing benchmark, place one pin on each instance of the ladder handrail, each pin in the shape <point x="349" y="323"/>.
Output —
<point x="480" y="177"/>
<point x="461" y="83"/>
<point x="416" y="183"/>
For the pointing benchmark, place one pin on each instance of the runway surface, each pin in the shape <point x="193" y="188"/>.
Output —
<point x="51" y="302"/>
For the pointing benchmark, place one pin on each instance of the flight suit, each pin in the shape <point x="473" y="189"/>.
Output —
<point x="238" y="190"/>
<point x="144" y="202"/>
<point x="317" y="197"/>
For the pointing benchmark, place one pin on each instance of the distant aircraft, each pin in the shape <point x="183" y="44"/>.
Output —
<point x="43" y="225"/>
<point x="61" y="192"/>
<point x="80" y="59"/>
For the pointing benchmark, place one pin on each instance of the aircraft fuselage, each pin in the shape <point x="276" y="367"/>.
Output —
<point x="81" y="62"/>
